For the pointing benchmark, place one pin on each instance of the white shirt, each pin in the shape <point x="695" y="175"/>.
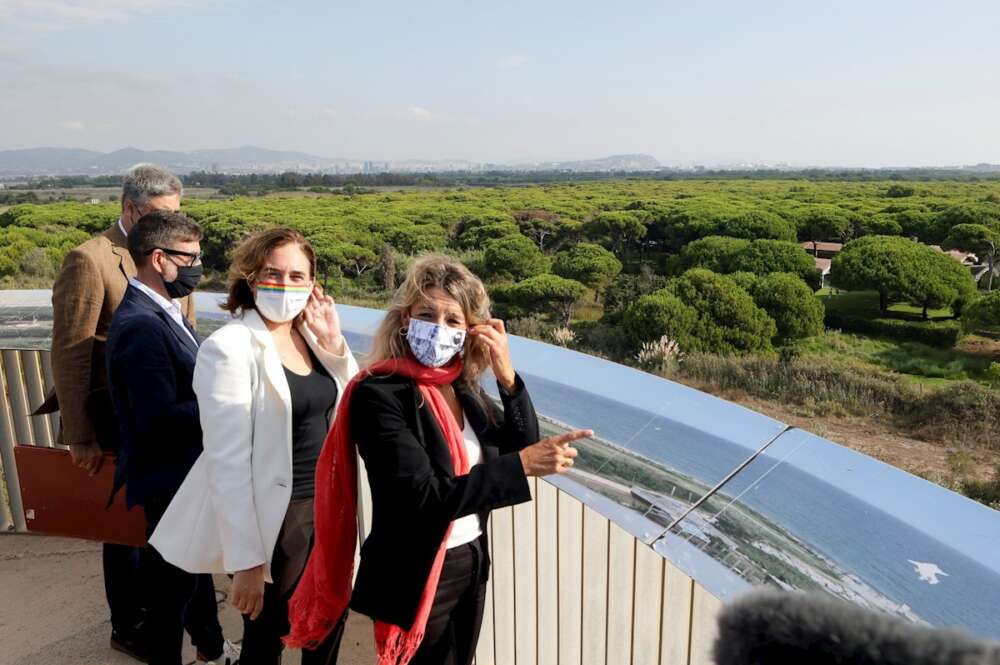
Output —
<point x="121" y="227"/>
<point x="171" y="307"/>
<point x="467" y="529"/>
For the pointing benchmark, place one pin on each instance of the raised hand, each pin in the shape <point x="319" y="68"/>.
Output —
<point x="323" y="320"/>
<point x="494" y="335"/>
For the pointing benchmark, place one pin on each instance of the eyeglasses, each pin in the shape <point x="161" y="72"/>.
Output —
<point x="195" y="259"/>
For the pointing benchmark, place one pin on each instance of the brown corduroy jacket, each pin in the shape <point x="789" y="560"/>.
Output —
<point x="86" y="293"/>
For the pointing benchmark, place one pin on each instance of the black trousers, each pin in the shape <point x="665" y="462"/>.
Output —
<point x="121" y="586"/>
<point x="177" y="600"/>
<point x="457" y="613"/>
<point x="262" y="636"/>
<point x="262" y="643"/>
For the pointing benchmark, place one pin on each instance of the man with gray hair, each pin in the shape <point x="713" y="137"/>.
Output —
<point x="86" y="293"/>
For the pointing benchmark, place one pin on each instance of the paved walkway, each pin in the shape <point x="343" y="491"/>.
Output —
<point x="52" y="608"/>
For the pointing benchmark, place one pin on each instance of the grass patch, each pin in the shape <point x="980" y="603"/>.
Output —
<point x="961" y="412"/>
<point x="26" y="282"/>
<point x="586" y="309"/>
<point x="865" y="304"/>
<point x="917" y="362"/>
<point x="983" y="491"/>
<point x="858" y="312"/>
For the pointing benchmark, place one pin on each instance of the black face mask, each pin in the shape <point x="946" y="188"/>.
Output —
<point x="187" y="278"/>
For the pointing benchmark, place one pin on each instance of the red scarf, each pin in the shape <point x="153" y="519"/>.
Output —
<point x="325" y="588"/>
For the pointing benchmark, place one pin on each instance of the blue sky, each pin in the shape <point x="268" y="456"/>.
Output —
<point x="854" y="83"/>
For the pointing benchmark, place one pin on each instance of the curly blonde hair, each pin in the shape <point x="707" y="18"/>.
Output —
<point x="451" y="276"/>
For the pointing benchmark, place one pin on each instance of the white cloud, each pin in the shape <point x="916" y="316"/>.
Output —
<point x="72" y="125"/>
<point x="513" y="61"/>
<point x="16" y="73"/>
<point x="53" y="14"/>
<point x="329" y="111"/>
<point x="10" y="57"/>
<point x="420" y="112"/>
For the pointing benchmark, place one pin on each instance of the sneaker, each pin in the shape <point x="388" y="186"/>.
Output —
<point x="230" y="655"/>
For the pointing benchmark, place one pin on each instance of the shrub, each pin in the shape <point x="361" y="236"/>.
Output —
<point x="601" y="339"/>
<point x="475" y="233"/>
<point x="791" y="303"/>
<point x="941" y="334"/>
<point x="898" y="191"/>
<point x="618" y="228"/>
<point x="757" y="225"/>
<point x="659" y="354"/>
<point x="962" y="412"/>
<point x="626" y="289"/>
<point x="798" y="381"/>
<point x="531" y="326"/>
<point x="823" y="222"/>
<point x="746" y="280"/>
<point x="588" y="264"/>
<point x="993" y="372"/>
<point x="763" y="257"/>
<point x="715" y="253"/>
<point x="983" y="314"/>
<point x="541" y="294"/>
<point x="514" y="257"/>
<point x="963" y="213"/>
<point x="984" y="491"/>
<point x="657" y="315"/>
<point x="727" y="321"/>
<point x="562" y="336"/>
<point x="881" y="224"/>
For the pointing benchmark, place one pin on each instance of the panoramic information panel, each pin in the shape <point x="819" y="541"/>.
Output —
<point x="733" y="498"/>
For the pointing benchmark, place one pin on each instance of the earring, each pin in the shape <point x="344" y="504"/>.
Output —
<point x="402" y="332"/>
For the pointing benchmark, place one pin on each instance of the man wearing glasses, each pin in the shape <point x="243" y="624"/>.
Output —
<point x="85" y="295"/>
<point x="151" y="354"/>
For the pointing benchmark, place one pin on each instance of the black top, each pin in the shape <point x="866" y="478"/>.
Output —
<point x="415" y="493"/>
<point x="313" y="395"/>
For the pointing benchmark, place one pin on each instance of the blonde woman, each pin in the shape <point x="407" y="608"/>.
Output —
<point x="267" y="385"/>
<point x="439" y="456"/>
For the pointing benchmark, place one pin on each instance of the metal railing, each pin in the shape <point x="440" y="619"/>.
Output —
<point x="26" y="377"/>
<point x="568" y="585"/>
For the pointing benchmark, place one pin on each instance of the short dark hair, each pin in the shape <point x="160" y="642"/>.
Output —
<point x="160" y="228"/>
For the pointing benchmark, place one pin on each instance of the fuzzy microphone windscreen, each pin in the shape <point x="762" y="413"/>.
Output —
<point x="773" y="628"/>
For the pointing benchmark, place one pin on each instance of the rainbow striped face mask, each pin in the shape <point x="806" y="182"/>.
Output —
<point x="281" y="302"/>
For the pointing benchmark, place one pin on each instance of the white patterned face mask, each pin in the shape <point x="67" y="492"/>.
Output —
<point x="434" y="345"/>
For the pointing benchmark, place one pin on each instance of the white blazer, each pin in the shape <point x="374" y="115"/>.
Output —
<point x="227" y="514"/>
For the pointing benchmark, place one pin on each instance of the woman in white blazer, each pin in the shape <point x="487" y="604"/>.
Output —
<point x="267" y="383"/>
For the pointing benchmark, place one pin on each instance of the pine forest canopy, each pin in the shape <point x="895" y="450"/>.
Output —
<point x="543" y="246"/>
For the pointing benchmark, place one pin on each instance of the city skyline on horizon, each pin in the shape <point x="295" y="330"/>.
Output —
<point x="853" y="86"/>
<point x="346" y="164"/>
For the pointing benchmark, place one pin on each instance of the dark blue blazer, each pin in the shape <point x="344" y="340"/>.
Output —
<point x="150" y="368"/>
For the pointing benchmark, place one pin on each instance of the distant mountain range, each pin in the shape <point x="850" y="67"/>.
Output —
<point x="251" y="159"/>
<point x="68" y="161"/>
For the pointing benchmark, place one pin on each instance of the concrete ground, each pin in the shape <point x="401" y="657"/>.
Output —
<point x="52" y="608"/>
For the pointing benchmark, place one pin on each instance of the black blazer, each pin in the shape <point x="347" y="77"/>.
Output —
<point x="150" y="368"/>
<point x="415" y="494"/>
